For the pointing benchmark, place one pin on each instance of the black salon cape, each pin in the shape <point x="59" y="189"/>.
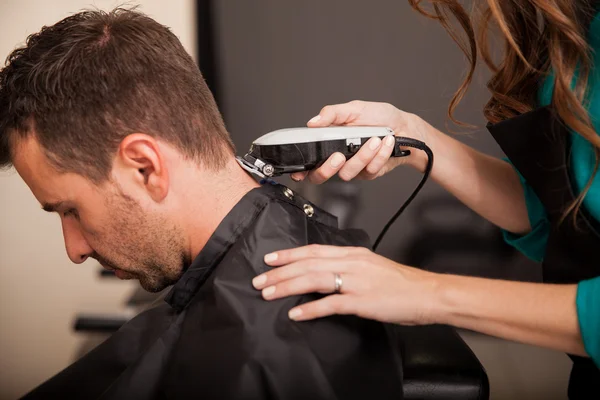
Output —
<point x="216" y="338"/>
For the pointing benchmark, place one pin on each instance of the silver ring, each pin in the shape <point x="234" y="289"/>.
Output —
<point x="338" y="283"/>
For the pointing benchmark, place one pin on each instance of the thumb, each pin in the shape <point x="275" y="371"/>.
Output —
<point x="338" y="114"/>
<point x="326" y="117"/>
<point x="299" y="176"/>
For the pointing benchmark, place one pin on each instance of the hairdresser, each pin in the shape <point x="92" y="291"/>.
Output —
<point x="544" y="112"/>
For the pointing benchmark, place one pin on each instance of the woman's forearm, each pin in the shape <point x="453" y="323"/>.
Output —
<point x="487" y="185"/>
<point x="547" y="313"/>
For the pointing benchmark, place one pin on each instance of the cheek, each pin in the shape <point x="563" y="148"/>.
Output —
<point x="113" y="240"/>
<point x="99" y="234"/>
<point x="91" y="232"/>
<point x="97" y="222"/>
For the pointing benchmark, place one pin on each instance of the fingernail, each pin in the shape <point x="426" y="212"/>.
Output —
<point x="375" y="143"/>
<point x="389" y="141"/>
<point x="270" y="257"/>
<point x="295" y="313"/>
<point x="268" y="292"/>
<point x="259" y="281"/>
<point x="337" y="160"/>
<point x="314" y="119"/>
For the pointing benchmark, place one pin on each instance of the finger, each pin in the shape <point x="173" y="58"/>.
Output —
<point x="372" y="170"/>
<point x="337" y="114"/>
<point x="360" y="160"/>
<point x="328" y="169"/>
<point x="329" y="305"/>
<point x="315" y="282"/>
<point x="300" y="268"/>
<point x="288" y="256"/>
<point x="299" y="176"/>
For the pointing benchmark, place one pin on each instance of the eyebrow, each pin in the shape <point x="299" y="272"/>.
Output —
<point x="51" y="207"/>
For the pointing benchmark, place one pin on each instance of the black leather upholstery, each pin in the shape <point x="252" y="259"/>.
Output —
<point x="438" y="364"/>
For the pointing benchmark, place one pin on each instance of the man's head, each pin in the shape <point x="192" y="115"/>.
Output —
<point x="96" y="112"/>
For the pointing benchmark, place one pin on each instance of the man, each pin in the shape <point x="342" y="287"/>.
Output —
<point x="109" y="122"/>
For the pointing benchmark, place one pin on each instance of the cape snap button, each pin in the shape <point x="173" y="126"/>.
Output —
<point x="309" y="210"/>
<point x="288" y="193"/>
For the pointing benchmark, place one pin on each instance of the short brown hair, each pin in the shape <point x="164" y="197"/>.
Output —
<point x="91" y="79"/>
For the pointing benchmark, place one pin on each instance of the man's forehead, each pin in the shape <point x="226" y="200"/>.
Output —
<point x="32" y="164"/>
<point x="29" y="159"/>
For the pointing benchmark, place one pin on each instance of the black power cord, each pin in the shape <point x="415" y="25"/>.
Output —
<point x="416" y="144"/>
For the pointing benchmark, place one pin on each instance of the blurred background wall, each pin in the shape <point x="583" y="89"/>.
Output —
<point x="277" y="63"/>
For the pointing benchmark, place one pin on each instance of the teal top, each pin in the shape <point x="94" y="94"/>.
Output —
<point x="582" y="163"/>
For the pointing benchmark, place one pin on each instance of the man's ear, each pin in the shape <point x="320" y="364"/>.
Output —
<point x="141" y="162"/>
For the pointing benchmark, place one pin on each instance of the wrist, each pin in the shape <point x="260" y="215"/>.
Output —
<point x="434" y="309"/>
<point x="444" y="304"/>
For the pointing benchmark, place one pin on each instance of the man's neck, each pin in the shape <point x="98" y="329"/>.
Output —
<point x="209" y="203"/>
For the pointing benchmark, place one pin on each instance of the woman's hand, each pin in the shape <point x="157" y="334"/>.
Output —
<point x="372" y="286"/>
<point x="373" y="159"/>
<point x="376" y="288"/>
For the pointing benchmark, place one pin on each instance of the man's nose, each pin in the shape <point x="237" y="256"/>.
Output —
<point x="77" y="247"/>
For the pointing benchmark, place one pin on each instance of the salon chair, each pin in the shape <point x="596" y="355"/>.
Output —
<point x="438" y="364"/>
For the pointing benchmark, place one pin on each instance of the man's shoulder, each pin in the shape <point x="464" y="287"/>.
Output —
<point x="301" y="219"/>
